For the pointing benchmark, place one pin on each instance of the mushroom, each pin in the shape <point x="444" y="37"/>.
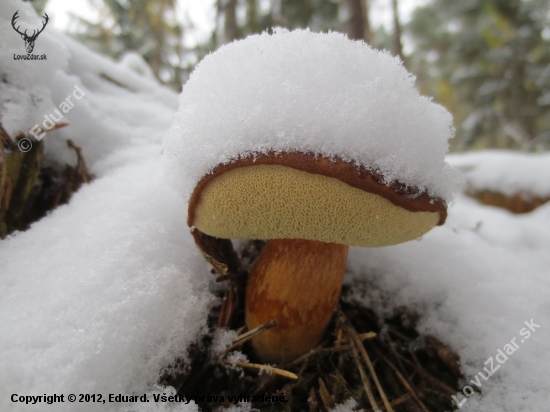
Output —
<point x="310" y="209"/>
<point x="312" y="142"/>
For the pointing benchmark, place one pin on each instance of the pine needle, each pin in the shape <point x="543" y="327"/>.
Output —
<point x="405" y="383"/>
<point x="365" y="379"/>
<point x="353" y="335"/>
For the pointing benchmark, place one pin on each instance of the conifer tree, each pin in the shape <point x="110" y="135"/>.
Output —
<point x="148" y="27"/>
<point x="489" y="62"/>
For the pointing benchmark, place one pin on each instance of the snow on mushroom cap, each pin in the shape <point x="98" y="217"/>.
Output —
<point x="309" y="92"/>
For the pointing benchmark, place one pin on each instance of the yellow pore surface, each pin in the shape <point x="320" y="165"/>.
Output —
<point x="279" y="202"/>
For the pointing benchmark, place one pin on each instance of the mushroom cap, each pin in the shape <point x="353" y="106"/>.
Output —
<point x="303" y="196"/>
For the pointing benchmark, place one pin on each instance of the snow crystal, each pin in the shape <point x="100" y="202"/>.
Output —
<point x="348" y="406"/>
<point x="505" y="172"/>
<point x="241" y="407"/>
<point x="222" y="339"/>
<point x="102" y="294"/>
<point x="310" y="92"/>
<point x="237" y="356"/>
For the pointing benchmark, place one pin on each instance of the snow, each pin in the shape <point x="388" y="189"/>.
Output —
<point x="348" y="406"/>
<point x="24" y="95"/>
<point x="126" y="110"/>
<point x="241" y="407"/>
<point x="222" y="339"/>
<point x="474" y="281"/>
<point x="505" y="172"/>
<point x="120" y="109"/>
<point x="104" y="293"/>
<point x="309" y="92"/>
<point x="135" y="62"/>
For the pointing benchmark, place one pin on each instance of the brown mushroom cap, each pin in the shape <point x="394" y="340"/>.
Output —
<point x="303" y="196"/>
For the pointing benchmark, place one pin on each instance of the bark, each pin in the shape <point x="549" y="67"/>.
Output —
<point x="354" y="17"/>
<point x="397" y="45"/>
<point x="252" y="17"/>
<point x="367" y="31"/>
<point x="230" y="28"/>
<point x="351" y="15"/>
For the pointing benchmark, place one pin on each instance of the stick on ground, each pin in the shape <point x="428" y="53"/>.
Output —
<point x="267" y="368"/>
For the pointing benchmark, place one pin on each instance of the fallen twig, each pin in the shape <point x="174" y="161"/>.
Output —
<point x="267" y="368"/>
<point x="317" y="351"/>
<point x="250" y="334"/>
<point x="401" y="399"/>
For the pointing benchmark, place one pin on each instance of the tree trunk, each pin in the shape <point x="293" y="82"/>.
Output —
<point x="397" y="46"/>
<point x="230" y="28"/>
<point x="367" y="32"/>
<point x="354" y="17"/>
<point x="351" y="16"/>
<point x="252" y="17"/>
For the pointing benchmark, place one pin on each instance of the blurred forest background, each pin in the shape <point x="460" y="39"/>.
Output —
<point x="486" y="61"/>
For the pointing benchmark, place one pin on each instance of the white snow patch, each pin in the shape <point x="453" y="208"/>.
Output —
<point x="105" y="293"/>
<point x="222" y="339"/>
<point x="348" y="406"/>
<point x="474" y="281"/>
<point x="24" y="93"/>
<point x="505" y="172"/>
<point x="121" y="109"/>
<point x="102" y="294"/>
<point x="137" y="63"/>
<point x="121" y="112"/>
<point x="310" y="92"/>
<point x="237" y="356"/>
<point x="241" y="407"/>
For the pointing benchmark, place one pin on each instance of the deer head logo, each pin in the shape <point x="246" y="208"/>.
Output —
<point x="29" y="40"/>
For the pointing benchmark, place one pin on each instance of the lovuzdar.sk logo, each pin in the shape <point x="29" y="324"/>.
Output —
<point x="29" y="39"/>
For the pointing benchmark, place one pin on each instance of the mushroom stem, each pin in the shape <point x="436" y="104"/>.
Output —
<point x="296" y="282"/>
